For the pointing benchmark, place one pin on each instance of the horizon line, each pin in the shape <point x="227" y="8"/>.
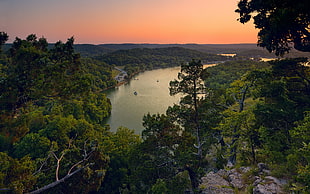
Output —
<point x="132" y="43"/>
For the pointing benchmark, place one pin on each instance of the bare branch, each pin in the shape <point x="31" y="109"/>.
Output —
<point x="86" y="157"/>
<point x="42" y="164"/>
<point x="59" y="159"/>
<point x="54" y="184"/>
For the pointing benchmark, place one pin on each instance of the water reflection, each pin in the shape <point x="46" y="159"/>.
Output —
<point x="148" y="92"/>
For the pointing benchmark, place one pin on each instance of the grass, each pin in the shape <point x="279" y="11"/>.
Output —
<point x="115" y="72"/>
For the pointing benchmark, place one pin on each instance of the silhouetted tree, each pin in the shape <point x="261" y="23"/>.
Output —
<point x="282" y="23"/>
<point x="3" y="38"/>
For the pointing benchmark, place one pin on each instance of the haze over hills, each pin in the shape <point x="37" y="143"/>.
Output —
<point x="248" y="50"/>
<point x="208" y="48"/>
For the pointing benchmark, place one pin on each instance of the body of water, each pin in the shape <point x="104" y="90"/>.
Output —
<point x="147" y="92"/>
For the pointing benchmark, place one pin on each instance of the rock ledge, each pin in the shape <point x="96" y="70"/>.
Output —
<point x="230" y="181"/>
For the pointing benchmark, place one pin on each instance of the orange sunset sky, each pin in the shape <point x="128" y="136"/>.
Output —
<point x="126" y="21"/>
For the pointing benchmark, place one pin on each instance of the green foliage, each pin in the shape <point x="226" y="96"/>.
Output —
<point x="159" y="187"/>
<point x="301" y="133"/>
<point x="72" y="141"/>
<point x="222" y="75"/>
<point x="241" y="134"/>
<point x="52" y="124"/>
<point x="119" y="145"/>
<point x="99" y="72"/>
<point x="89" y="50"/>
<point x="300" y="156"/>
<point x="261" y="125"/>
<point x="140" y="59"/>
<point x="168" y="151"/>
<point x="159" y="164"/>
<point x="178" y="184"/>
<point x="190" y="84"/>
<point x="122" y="142"/>
<point x="34" y="145"/>
<point x="52" y="117"/>
<point x="16" y="174"/>
<point x="160" y="147"/>
<point x="283" y="104"/>
<point x="36" y="73"/>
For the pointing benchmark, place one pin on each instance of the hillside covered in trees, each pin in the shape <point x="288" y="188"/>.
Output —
<point x="245" y="50"/>
<point x="54" y="137"/>
<point x="140" y="59"/>
<point x="52" y="116"/>
<point x="238" y="115"/>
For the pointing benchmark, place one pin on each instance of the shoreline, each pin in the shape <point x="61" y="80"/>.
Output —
<point x="125" y="81"/>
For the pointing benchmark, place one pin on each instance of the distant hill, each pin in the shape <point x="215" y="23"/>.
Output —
<point x="93" y="50"/>
<point x="90" y="50"/>
<point x="247" y="50"/>
<point x="139" y="59"/>
<point x="169" y="55"/>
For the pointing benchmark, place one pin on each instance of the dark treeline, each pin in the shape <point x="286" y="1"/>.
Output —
<point x="247" y="50"/>
<point x="140" y="59"/>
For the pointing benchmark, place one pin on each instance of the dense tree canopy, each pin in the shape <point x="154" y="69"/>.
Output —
<point x="53" y="134"/>
<point x="51" y="117"/>
<point x="140" y="59"/>
<point x="281" y="23"/>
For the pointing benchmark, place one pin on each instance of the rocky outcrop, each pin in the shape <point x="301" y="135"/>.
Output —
<point x="214" y="183"/>
<point x="268" y="185"/>
<point x="241" y="179"/>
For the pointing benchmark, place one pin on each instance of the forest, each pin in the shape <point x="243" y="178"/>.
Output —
<point x="141" y="59"/>
<point x="240" y="113"/>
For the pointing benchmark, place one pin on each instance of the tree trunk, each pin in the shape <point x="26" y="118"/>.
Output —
<point x="54" y="184"/>
<point x="193" y="177"/>
<point x="197" y="126"/>
<point x="233" y="151"/>
<point x="233" y="157"/>
<point x="253" y="153"/>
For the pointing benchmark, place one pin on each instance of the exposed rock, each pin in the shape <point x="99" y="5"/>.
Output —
<point x="226" y="181"/>
<point x="215" y="179"/>
<point x="235" y="179"/>
<point x="223" y="173"/>
<point x="262" y="166"/>
<point x="213" y="190"/>
<point x="263" y="169"/>
<point x="213" y="183"/>
<point x="268" y="185"/>
<point x="257" y="181"/>
<point x="261" y="189"/>
<point x="245" y="169"/>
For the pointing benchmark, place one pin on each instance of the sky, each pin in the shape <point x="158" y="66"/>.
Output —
<point x="126" y="21"/>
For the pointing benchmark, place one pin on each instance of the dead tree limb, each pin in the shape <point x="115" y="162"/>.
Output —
<point x="54" y="184"/>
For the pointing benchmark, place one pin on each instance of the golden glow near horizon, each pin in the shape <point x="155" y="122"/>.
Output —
<point x="127" y="21"/>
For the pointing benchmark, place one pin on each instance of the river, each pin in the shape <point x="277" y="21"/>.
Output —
<point x="148" y="92"/>
<point x="152" y="96"/>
